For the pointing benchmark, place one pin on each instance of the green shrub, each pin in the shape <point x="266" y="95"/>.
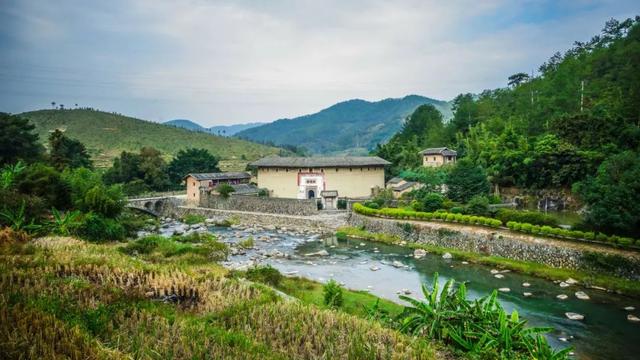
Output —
<point x="456" y="210"/>
<point x="625" y="241"/>
<point x="97" y="228"/>
<point x="466" y="219"/>
<point x="142" y="246"/>
<point x="342" y="204"/>
<point x="531" y="217"/>
<point x="341" y="236"/>
<point x="602" y="237"/>
<point x="450" y="217"/>
<point x="526" y="227"/>
<point x="478" y="205"/>
<point x="191" y="219"/>
<point x="590" y="235"/>
<point x="372" y="205"/>
<point x="546" y="230"/>
<point x="225" y="190"/>
<point x="332" y="292"/>
<point x="496" y="223"/>
<point x="265" y="274"/>
<point x="577" y="234"/>
<point x="556" y="231"/>
<point x="535" y="229"/>
<point x="247" y="243"/>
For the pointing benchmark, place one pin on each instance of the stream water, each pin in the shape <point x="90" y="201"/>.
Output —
<point x="605" y="333"/>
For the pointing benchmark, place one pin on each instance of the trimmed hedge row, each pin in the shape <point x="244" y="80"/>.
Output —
<point x="573" y="234"/>
<point x="419" y="215"/>
<point x="527" y="228"/>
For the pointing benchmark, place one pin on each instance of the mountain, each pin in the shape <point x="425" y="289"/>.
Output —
<point x="350" y="127"/>
<point x="230" y="130"/>
<point x="108" y="134"/>
<point x="222" y="130"/>
<point x="185" y="124"/>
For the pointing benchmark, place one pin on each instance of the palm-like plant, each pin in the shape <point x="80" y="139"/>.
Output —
<point x="17" y="220"/>
<point x="63" y="224"/>
<point x="479" y="327"/>
<point x="9" y="173"/>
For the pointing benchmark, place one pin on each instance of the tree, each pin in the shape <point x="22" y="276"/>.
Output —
<point x="613" y="195"/>
<point x="191" y="161"/>
<point x="44" y="181"/>
<point x="154" y="169"/>
<point x="17" y="140"/>
<point x="466" y="180"/>
<point x="125" y="168"/>
<point x="517" y="79"/>
<point x="65" y="152"/>
<point x="225" y="190"/>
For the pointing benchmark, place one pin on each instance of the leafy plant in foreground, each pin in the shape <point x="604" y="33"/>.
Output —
<point x="480" y="327"/>
<point x="332" y="294"/>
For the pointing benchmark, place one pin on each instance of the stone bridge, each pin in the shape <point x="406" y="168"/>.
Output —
<point x="155" y="206"/>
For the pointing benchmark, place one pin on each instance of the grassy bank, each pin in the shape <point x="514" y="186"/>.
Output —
<point x="627" y="287"/>
<point x="65" y="298"/>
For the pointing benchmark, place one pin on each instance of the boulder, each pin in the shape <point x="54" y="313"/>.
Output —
<point x="419" y="253"/>
<point x="633" y="318"/>
<point x="498" y="276"/>
<point x="564" y="284"/>
<point x="527" y="294"/>
<point x="571" y="281"/>
<point x="526" y="284"/>
<point x="374" y="268"/>
<point x="505" y="289"/>
<point x="574" y="316"/>
<point x="582" y="295"/>
<point x="629" y="308"/>
<point x="318" y="253"/>
<point x="397" y="264"/>
<point x="447" y="256"/>
<point x="562" y="297"/>
<point x="494" y="271"/>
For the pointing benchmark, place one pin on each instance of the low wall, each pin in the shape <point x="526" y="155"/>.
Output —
<point x="504" y="244"/>
<point x="259" y="204"/>
<point x="325" y="223"/>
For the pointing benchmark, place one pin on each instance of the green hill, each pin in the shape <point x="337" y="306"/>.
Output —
<point x="108" y="134"/>
<point x="353" y="126"/>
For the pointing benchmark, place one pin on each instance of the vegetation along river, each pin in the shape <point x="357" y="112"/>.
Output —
<point x="605" y="332"/>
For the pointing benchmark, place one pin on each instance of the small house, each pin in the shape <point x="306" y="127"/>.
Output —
<point x="434" y="157"/>
<point x="400" y="186"/>
<point x="209" y="181"/>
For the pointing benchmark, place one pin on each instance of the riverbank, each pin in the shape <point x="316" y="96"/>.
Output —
<point x="588" y="279"/>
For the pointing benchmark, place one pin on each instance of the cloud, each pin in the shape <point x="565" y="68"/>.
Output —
<point x="227" y="62"/>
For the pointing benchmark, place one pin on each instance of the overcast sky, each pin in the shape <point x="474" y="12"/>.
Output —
<point x="223" y="62"/>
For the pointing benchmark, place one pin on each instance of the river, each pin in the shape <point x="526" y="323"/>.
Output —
<point x="605" y="333"/>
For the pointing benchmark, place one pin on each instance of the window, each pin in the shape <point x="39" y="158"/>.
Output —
<point x="336" y="169"/>
<point x="194" y="183"/>
<point x="434" y="158"/>
<point x="350" y="169"/>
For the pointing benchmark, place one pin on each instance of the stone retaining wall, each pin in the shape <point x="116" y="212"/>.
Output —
<point x="259" y="204"/>
<point x="501" y="244"/>
<point x="322" y="223"/>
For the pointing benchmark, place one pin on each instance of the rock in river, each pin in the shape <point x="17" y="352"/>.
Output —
<point x="526" y="284"/>
<point x="447" y="256"/>
<point x="629" y="308"/>
<point x="374" y="268"/>
<point x="633" y="318"/>
<point x="318" y="253"/>
<point x="574" y="316"/>
<point x="397" y="264"/>
<point x="527" y="294"/>
<point x="419" y="253"/>
<point x="562" y="297"/>
<point x="582" y="295"/>
<point x="498" y="276"/>
<point x="504" y="290"/>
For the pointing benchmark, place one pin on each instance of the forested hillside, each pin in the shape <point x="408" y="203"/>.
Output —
<point x="106" y="135"/>
<point x="573" y="125"/>
<point x="353" y="126"/>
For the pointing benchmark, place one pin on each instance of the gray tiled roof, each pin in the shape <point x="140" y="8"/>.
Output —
<point x="395" y="180"/>
<point x="405" y="186"/>
<point x="220" y="176"/>
<point x="439" y="151"/>
<point x="314" y="162"/>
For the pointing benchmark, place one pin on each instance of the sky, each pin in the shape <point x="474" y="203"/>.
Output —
<point x="226" y="62"/>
